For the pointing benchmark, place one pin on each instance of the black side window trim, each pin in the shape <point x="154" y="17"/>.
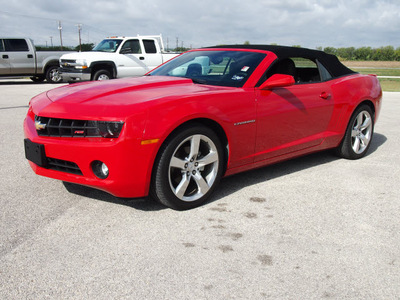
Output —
<point x="16" y="45"/>
<point x="150" y="46"/>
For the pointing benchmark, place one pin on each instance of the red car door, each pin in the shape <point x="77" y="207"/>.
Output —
<point x="292" y="118"/>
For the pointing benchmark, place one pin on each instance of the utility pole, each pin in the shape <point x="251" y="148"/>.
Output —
<point x="60" y="28"/>
<point x="51" y="41"/>
<point x="79" y="30"/>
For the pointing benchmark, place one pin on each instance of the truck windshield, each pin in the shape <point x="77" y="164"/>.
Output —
<point x="108" y="45"/>
<point x="223" y="68"/>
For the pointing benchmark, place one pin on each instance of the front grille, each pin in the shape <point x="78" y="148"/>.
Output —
<point x="66" y="127"/>
<point x="68" y="64"/>
<point x="69" y="61"/>
<point x="63" y="166"/>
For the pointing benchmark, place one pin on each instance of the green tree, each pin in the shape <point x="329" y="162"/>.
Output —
<point x="363" y="53"/>
<point x="346" y="53"/>
<point x="397" y="54"/>
<point x="330" y="50"/>
<point x="181" y="49"/>
<point x="387" y="53"/>
<point x="85" y="47"/>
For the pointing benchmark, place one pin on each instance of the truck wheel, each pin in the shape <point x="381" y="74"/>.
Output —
<point x="102" y="75"/>
<point x="52" y="75"/>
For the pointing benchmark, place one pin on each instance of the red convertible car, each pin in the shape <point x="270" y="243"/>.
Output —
<point x="205" y="114"/>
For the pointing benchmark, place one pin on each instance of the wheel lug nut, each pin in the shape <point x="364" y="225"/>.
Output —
<point x="194" y="172"/>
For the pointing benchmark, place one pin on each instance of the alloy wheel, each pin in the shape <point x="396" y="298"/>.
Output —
<point x="361" y="132"/>
<point x="193" y="168"/>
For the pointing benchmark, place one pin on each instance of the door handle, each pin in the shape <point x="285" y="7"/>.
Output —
<point x="30" y="56"/>
<point x="141" y="58"/>
<point x="5" y="56"/>
<point x="325" y="95"/>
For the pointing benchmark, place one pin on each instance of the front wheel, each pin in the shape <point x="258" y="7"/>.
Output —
<point x="102" y="75"/>
<point x="358" y="135"/>
<point x="188" y="168"/>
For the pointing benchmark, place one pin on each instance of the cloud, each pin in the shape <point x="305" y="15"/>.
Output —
<point x="309" y="23"/>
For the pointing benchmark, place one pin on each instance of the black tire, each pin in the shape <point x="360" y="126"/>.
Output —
<point x="188" y="168"/>
<point x="358" y="136"/>
<point x="102" y="75"/>
<point x="53" y="75"/>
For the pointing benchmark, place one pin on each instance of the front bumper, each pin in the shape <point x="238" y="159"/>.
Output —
<point x="74" y="75"/>
<point x="129" y="162"/>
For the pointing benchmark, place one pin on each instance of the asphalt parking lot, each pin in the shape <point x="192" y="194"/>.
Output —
<point x="311" y="228"/>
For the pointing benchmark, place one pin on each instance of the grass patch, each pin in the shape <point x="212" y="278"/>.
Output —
<point x="379" y="68"/>
<point x="372" y="64"/>
<point x="377" y="71"/>
<point x="390" y="84"/>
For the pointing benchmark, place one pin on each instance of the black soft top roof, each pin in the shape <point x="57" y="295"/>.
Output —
<point x="331" y="62"/>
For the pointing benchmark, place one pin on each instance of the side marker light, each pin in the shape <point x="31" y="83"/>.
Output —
<point x="148" y="142"/>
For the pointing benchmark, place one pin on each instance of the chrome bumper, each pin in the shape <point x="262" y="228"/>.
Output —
<point x="68" y="76"/>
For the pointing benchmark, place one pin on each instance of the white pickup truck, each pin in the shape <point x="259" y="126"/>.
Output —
<point x="18" y="57"/>
<point x="115" y="57"/>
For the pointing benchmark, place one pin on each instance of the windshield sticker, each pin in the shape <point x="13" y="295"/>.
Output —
<point x="237" y="78"/>
<point x="245" y="69"/>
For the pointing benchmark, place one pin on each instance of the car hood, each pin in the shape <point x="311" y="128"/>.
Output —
<point x="116" y="98"/>
<point x="88" y="55"/>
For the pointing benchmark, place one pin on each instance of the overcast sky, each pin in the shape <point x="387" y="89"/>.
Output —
<point x="309" y="23"/>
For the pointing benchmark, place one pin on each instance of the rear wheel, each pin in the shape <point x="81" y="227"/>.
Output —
<point x="188" y="169"/>
<point x="358" y="135"/>
<point x="53" y="75"/>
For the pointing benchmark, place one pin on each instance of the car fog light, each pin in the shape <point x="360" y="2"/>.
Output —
<point x="100" y="169"/>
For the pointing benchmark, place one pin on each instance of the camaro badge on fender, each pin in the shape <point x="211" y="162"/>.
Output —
<point x="244" y="122"/>
<point x="39" y="125"/>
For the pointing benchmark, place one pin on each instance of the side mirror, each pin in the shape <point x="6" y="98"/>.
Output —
<point x="277" y="80"/>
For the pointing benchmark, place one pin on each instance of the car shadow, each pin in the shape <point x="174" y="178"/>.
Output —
<point x="27" y="82"/>
<point x="231" y="184"/>
<point x="145" y="204"/>
<point x="377" y="141"/>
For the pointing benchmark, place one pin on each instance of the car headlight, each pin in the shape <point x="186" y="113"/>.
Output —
<point x="81" y="64"/>
<point x="109" y="129"/>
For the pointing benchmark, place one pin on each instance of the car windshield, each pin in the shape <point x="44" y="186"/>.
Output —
<point x="108" y="45"/>
<point x="223" y="68"/>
